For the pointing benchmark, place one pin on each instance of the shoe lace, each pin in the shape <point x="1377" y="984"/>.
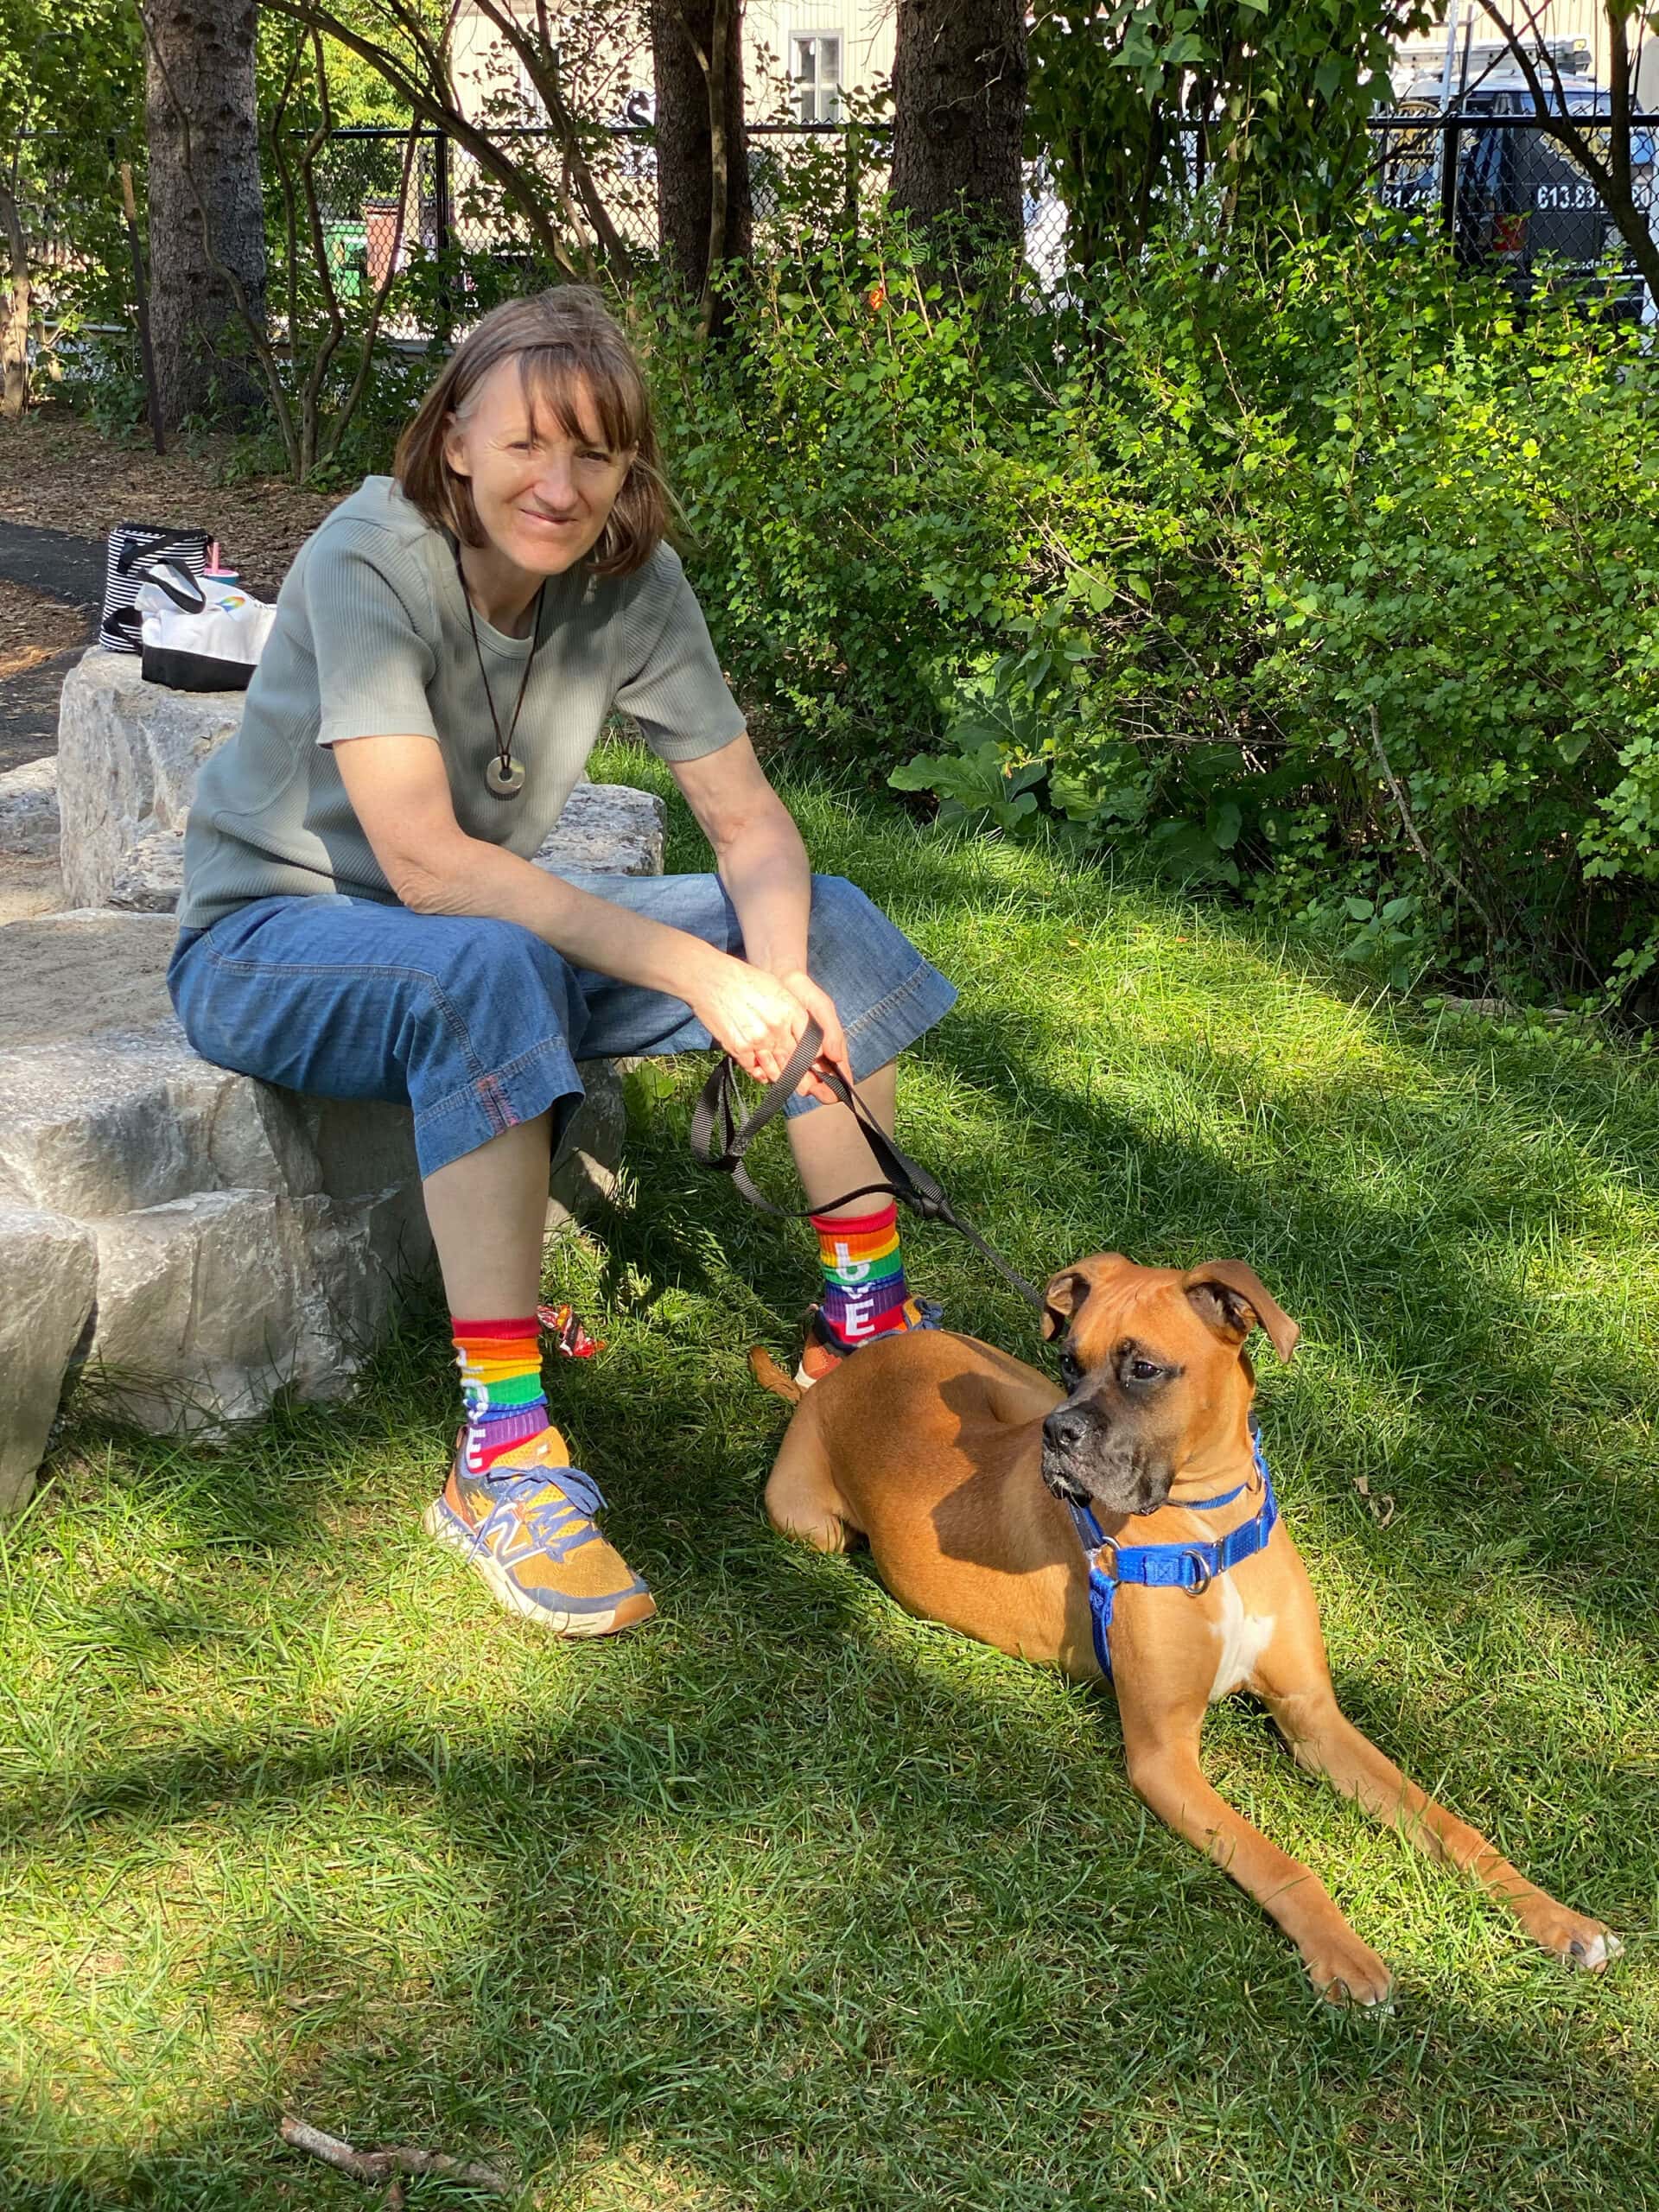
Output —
<point x="555" y="1509"/>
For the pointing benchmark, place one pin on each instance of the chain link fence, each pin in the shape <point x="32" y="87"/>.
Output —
<point x="454" y="241"/>
<point x="1499" y="185"/>
<point x="460" y="215"/>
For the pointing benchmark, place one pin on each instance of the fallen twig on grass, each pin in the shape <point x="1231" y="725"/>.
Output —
<point x="386" y="2165"/>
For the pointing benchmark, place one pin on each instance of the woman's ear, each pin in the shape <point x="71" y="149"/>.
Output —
<point x="455" y="450"/>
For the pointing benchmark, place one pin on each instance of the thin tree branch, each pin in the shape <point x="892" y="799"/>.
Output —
<point x="564" y="123"/>
<point x="433" y="102"/>
<point x="1431" y="861"/>
<point x="366" y="357"/>
<point x="279" y="155"/>
<point x="384" y="2165"/>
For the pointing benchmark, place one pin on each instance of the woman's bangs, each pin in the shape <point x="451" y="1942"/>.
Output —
<point x="553" y="379"/>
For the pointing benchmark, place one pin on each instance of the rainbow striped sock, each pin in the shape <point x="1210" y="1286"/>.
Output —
<point x="501" y="1364"/>
<point x="864" y="1287"/>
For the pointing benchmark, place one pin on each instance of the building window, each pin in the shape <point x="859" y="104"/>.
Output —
<point x="816" y="76"/>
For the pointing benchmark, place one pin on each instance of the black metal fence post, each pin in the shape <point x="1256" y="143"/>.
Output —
<point x="1450" y="136"/>
<point x="849" y="156"/>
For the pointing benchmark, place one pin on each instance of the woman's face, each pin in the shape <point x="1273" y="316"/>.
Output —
<point x="542" y="499"/>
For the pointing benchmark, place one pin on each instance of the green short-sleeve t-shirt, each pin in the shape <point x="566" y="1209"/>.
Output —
<point x="371" y="640"/>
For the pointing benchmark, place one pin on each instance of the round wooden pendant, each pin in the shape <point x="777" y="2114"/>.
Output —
<point x="505" y="783"/>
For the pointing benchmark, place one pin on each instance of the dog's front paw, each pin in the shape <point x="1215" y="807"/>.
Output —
<point x="1570" y="1935"/>
<point x="1344" y="1971"/>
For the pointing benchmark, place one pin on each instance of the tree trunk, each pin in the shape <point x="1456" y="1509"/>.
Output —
<point x="206" y="217"/>
<point x="959" y="112"/>
<point x="701" y="138"/>
<point x="13" y="339"/>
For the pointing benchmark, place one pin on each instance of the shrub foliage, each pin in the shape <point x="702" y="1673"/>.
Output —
<point x="1327" y="576"/>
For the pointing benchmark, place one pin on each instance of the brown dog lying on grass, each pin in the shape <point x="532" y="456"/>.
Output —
<point x="963" y="1468"/>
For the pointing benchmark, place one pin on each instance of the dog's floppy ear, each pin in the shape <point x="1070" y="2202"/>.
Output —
<point x="1063" y="1294"/>
<point x="1233" y="1298"/>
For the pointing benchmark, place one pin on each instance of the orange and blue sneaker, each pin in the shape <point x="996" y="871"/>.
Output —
<point x="527" y="1526"/>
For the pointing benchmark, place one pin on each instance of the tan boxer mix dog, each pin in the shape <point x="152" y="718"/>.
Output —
<point x="958" y="1462"/>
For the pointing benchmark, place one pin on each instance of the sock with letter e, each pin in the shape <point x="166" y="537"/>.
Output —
<point x="864" y="1287"/>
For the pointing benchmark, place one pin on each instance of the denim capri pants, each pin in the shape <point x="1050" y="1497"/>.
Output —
<point x="478" y="1025"/>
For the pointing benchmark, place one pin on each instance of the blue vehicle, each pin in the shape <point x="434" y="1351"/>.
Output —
<point x="1521" y="200"/>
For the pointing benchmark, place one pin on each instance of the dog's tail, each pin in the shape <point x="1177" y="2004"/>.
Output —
<point x="767" y="1373"/>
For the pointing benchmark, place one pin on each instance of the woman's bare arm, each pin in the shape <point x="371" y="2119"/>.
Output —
<point x="399" y="791"/>
<point x="764" y="866"/>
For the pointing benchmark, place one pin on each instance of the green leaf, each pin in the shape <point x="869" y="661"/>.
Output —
<point x="920" y="774"/>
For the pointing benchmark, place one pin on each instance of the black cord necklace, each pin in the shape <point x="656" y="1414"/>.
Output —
<point x="504" y="777"/>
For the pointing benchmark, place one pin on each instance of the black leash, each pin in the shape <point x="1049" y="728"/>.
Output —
<point x="720" y="1137"/>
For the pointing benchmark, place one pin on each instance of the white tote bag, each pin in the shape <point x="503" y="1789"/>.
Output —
<point x="199" y="636"/>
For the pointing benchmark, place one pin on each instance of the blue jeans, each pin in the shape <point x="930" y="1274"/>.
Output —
<point x="478" y="1025"/>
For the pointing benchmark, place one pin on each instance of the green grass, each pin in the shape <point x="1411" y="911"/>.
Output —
<point x="792" y="1901"/>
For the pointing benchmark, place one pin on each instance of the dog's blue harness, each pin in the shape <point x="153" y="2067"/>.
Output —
<point x="1169" y="1567"/>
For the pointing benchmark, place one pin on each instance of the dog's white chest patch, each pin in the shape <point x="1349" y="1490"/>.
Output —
<point x="1243" y="1637"/>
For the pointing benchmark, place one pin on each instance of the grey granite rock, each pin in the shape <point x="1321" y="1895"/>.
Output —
<point x="610" y="827"/>
<point x="231" y="1237"/>
<point x="209" y="1305"/>
<point x="128" y="756"/>
<point x="29" y="811"/>
<point x="48" y="1266"/>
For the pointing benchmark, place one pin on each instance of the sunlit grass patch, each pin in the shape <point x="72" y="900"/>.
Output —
<point x="792" y="1901"/>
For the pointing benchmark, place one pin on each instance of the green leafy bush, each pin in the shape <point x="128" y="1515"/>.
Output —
<point x="1325" y="576"/>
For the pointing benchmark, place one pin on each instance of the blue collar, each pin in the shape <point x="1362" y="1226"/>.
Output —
<point x="1192" y="1566"/>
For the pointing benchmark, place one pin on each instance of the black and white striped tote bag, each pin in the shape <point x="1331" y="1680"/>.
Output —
<point x="134" y="548"/>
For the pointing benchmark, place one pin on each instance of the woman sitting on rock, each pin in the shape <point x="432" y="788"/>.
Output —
<point x="361" y="917"/>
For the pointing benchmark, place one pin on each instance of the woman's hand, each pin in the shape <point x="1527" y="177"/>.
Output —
<point x="822" y="1009"/>
<point x="751" y="1014"/>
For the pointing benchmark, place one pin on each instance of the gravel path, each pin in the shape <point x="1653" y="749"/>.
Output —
<point x="55" y="562"/>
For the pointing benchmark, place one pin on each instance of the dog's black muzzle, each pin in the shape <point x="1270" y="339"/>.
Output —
<point x="1089" y="1459"/>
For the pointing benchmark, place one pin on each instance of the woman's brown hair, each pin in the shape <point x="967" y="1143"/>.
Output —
<point x="562" y="339"/>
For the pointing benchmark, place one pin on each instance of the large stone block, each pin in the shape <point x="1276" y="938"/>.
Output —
<point x="48" y="1266"/>
<point x="208" y="1304"/>
<point x="128" y="756"/>
<point x="132" y="1119"/>
<point x="196" y="1239"/>
<point x="609" y="827"/>
<point x="73" y="974"/>
<point x="584" y="1172"/>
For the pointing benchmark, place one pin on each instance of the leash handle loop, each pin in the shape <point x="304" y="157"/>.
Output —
<point x="720" y="1136"/>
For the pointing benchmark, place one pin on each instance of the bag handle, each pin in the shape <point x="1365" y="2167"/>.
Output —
<point x="191" y="602"/>
<point x="134" y="556"/>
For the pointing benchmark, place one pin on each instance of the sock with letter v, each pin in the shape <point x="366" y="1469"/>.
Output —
<point x="864" y="1288"/>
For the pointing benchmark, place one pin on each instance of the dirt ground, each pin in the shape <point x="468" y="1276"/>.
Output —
<point x="33" y="627"/>
<point x="58" y="470"/>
